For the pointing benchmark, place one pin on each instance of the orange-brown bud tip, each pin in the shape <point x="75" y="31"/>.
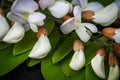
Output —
<point x="87" y="15"/>
<point x="101" y="52"/>
<point x="66" y="18"/>
<point x="112" y="59"/>
<point x="78" y="45"/>
<point x="42" y="31"/>
<point x="12" y="23"/>
<point x="108" y="32"/>
<point x="1" y="11"/>
<point x="116" y="48"/>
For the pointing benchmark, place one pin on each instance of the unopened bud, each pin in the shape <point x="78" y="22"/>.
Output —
<point x="65" y="18"/>
<point x="78" y="45"/>
<point x="101" y="52"/>
<point x="108" y="32"/>
<point x="87" y="15"/>
<point x="42" y="31"/>
<point x="116" y="48"/>
<point x="1" y="11"/>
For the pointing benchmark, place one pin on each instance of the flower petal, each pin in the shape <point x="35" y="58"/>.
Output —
<point x="46" y="3"/>
<point x="68" y="26"/>
<point x="41" y="48"/>
<point x="37" y="18"/>
<point x="59" y="9"/>
<point x="15" y="34"/>
<point x="83" y="3"/>
<point x="77" y="12"/>
<point x="16" y="17"/>
<point x="4" y="27"/>
<point x="113" y="73"/>
<point x="90" y="26"/>
<point x="78" y="60"/>
<point x="93" y="6"/>
<point x="97" y="64"/>
<point x="116" y="37"/>
<point x="118" y="3"/>
<point x="30" y="6"/>
<point x="107" y="15"/>
<point x="33" y="27"/>
<point x="83" y="35"/>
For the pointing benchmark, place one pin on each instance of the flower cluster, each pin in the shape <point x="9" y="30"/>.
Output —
<point x="80" y="16"/>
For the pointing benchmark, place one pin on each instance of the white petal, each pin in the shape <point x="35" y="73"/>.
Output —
<point x="113" y="73"/>
<point x="33" y="27"/>
<point x="118" y="3"/>
<point x="107" y="15"/>
<point x="93" y="6"/>
<point x="59" y="9"/>
<point x="4" y="27"/>
<point x="78" y="60"/>
<point x="15" y="34"/>
<point x="68" y="26"/>
<point x="16" y="17"/>
<point x="75" y="2"/>
<point x="90" y="26"/>
<point x="36" y="18"/>
<point x="41" y="48"/>
<point x="83" y="35"/>
<point x="83" y="3"/>
<point x="24" y="6"/>
<point x="46" y="3"/>
<point x="97" y="64"/>
<point x="77" y="12"/>
<point x="116" y="37"/>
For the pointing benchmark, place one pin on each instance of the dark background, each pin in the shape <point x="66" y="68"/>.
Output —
<point x="22" y="72"/>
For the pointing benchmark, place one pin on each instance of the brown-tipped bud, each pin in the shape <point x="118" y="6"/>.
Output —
<point x="112" y="59"/>
<point x="66" y="18"/>
<point x="42" y="31"/>
<point x="101" y="52"/>
<point x="12" y="23"/>
<point x="1" y="11"/>
<point x="108" y="32"/>
<point x="87" y="15"/>
<point x="117" y="23"/>
<point x="116" y="48"/>
<point x="78" y="45"/>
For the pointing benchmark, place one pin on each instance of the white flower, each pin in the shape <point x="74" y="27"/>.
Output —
<point x="78" y="60"/>
<point x="4" y="27"/>
<point x="41" y="48"/>
<point x="107" y="15"/>
<point x="116" y="37"/>
<point x="26" y="14"/>
<point x="118" y="3"/>
<point x="97" y="64"/>
<point x="15" y="34"/>
<point x="114" y="67"/>
<point x="74" y="23"/>
<point x="46" y="3"/>
<point x="60" y="8"/>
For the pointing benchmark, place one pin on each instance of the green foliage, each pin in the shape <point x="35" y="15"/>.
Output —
<point x="4" y="45"/>
<point x="25" y="44"/>
<point x="32" y="62"/>
<point x="8" y="62"/>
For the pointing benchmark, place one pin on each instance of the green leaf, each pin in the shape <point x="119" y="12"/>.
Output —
<point x="64" y="49"/>
<point x="49" y="24"/>
<point x="4" y="45"/>
<point x="90" y="75"/>
<point x="33" y="62"/>
<point x="25" y="44"/>
<point x="90" y="51"/>
<point x="8" y="62"/>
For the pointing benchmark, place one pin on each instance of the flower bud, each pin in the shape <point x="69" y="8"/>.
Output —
<point x="116" y="48"/>
<point x="87" y="15"/>
<point x="1" y="11"/>
<point x="97" y="63"/>
<point x="65" y="18"/>
<point x="108" y="32"/>
<point x="114" y="68"/>
<point x="78" y="45"/>
<point x="42" y="31"/>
